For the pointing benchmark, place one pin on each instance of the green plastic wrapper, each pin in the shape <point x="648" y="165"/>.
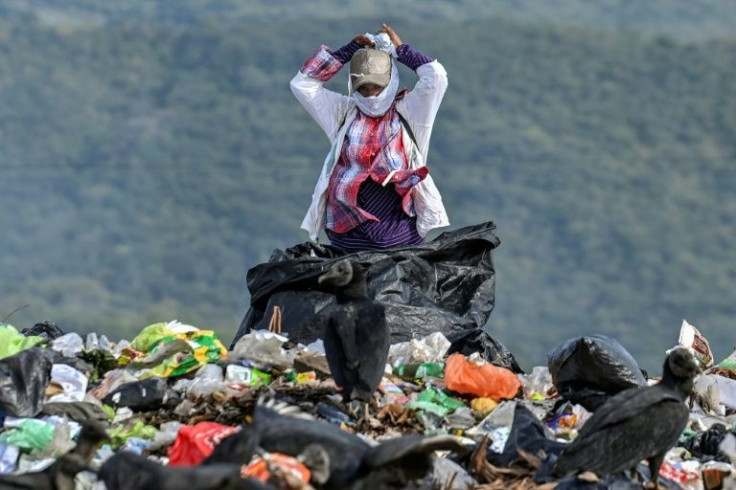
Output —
<point x="203" y="348"/>
<point x="121" y="433"/>
<point x="12" y="341"/>
<point x="421" y="371"/>
<point x="429" y="407"/>
<point x="433" y="395"/>
<point x="29" y="435"/>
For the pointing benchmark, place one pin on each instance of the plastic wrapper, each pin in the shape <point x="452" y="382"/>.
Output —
<point x="120" y="433"/>
<point x="465" y="376"/>
<point x="727" y="367"/>
<point x="8" y="458"/>
<point x="23" y="380"/>
<point x="448" y="475"/>
<point x="590" y="369"/>
<point x="726" y="391"/>
<point x="195" y="442"/>
<point x="692" y="338"/>
<point x="537" y="384"/>
<point x="29" y="435"/>
<point x="259" y="467"/>
<point x="69" y="344"/>
<point x="421" y="371"/>
<point x="431" y="348"/>
<point x="445" y="285"/>
<point x="12" y="341"/>
<point x="264" y="347"/>
<point x="73" y="383"/>
<point x="112" y="380"/>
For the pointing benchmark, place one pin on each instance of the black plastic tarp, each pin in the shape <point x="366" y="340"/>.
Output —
<point x="23" y="380"/>
<point x="444" y="285"/>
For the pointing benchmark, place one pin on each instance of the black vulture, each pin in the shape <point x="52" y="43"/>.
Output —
<point x="62" y="472"/>
<point x="636" y="424"/>
<point x="350" y="462"/>
<point x="129" y="471"/>
<point x="356" y="337"/>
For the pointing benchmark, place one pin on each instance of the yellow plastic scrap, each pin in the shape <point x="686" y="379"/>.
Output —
<point x="482" y="406"/>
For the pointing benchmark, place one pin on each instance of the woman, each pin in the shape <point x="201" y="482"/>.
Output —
<point x="374" y="191"/>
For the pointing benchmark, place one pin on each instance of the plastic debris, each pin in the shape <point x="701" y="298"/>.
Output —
<point x="23" y="381"/>
<point x="263" y="346"/>
<point x="480" y="379"/>
<point x="195" y="442"/>
<point x="29" y="434"/>
<point x="12" y="341"/>
<point x="72" y="382"/>
<point x="261" y="467"/>
<point x="421" y="371"/>
<point x="692" y="338"/>
<point x="69" y="344"/>
<point x="9" y="455"/>
<point x="590" y="369"/>
<point x="429" y="349"/>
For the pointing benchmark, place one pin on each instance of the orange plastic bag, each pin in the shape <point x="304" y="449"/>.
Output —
<point x="482" y="380"/>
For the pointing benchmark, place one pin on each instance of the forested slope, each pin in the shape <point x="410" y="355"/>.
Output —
<point x="146" y="166"/>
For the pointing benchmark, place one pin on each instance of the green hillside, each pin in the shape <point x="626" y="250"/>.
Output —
<point x="147" y="165"/>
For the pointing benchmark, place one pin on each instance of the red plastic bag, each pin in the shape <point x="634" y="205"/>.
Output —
<point x="480" y="379"/>
<point x="195" y="442"/>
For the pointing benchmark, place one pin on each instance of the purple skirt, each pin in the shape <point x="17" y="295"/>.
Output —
<point x="396" y="228"/>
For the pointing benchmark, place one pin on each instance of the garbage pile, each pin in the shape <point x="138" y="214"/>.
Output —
<point x="174" y="408"/>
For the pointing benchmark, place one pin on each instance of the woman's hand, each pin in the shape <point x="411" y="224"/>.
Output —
<point x="392" y="35"/>
<point x="363" y="40"/>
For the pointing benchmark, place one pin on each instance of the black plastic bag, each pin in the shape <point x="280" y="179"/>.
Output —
<point x="527" y="433"/>
<point x="148" y="394"/>
<point x="23" y="380"/>
<point x="590" y="369"/>
<point x="706" y="445"/>
<point x="445" y="285"/>
<point x="470" y="341"/>
<point x="47" y="330"/>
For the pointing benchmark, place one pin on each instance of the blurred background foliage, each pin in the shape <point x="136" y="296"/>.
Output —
<point x="151" y="153"/>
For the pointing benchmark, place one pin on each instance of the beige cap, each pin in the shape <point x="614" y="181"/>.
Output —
<point x="370" y="66"/>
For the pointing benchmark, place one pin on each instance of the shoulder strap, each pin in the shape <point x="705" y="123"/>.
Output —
<point x="405" y="123"/>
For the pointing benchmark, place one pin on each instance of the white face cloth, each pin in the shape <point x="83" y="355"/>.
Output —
<point x="378" y="105"/>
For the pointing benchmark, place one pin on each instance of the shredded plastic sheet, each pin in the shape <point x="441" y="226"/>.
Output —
<point x="12" y="341"/>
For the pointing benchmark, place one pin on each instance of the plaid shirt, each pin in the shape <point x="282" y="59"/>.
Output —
<point x="372" y="149"/>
